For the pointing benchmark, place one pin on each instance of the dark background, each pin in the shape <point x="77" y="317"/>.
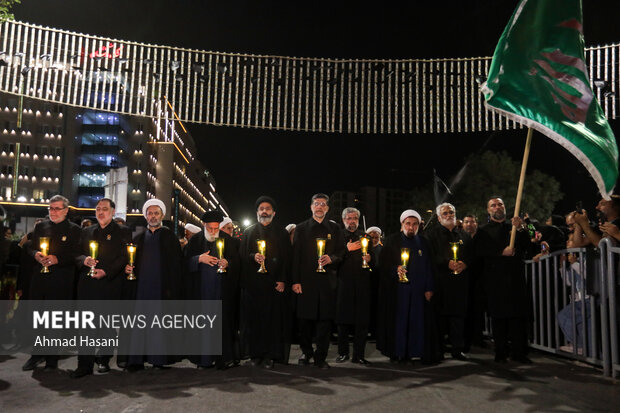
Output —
<point x="291" y="166"/>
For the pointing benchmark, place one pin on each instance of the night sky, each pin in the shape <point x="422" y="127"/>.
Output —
<point x="291" y="166"/>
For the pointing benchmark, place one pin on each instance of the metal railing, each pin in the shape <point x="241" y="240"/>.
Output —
<point x="574" y="308"/>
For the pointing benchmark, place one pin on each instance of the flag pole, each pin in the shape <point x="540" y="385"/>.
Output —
<point x="526" y="154"/>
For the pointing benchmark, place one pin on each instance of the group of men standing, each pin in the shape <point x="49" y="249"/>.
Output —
<point x="413" y="291"/>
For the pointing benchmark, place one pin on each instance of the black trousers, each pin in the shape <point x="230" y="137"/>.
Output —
<point x="511" y="330"/>
<point x="321" y="331"/>
<point x="456" y="332"/>
<point x="360" y="335"/>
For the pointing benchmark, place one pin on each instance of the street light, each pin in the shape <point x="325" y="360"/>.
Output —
<point x="246" y="222"/>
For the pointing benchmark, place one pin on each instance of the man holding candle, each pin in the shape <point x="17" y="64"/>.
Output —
<point x="158" y="271"/>
<point x="104" y="248"/>
<point x="353" y="292"/>
<point x="316" y="291"/>
<point x="63" y="239"/>
<point x="210" y="277"/>
<point x="264" y="291"/>
<point x="450" y="250"/>
<point x="504" y="277"/>
<point x="403" y="291"/>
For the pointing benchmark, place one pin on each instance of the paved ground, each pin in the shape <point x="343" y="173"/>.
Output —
<point x="480" y="385"/>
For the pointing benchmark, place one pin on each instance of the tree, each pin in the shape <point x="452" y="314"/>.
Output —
<point x="492" y="173"/>
<point x="5" y="7"/>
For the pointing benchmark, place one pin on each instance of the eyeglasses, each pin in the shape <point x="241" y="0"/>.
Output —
<point x="55" y="209"/>
<point x="320" y="204"/>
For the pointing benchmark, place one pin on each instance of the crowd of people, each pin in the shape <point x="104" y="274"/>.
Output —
<point x="420" y="293"/>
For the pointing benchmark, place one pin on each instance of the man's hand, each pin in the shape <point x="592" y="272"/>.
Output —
<point x="45" y="260"/>
<point x="610" y="230"/>
<point x="90" y="262"/>
<point x="129" y="269"/>
<point x="354" y="246"/>
<point x="581" y="218"/>
<point x="508" y="252"/>
<point x="296" y="288"/>
<point x="401" y="271"/>
<point x="223" y="263"/>
<point x="517" y="222"/>
<point x="457" y="266"/>
<point x="279" y="286"/>
<point x="99" y="273"/>
<point x="259" y="258"/>
<point x="366" y="258"/>
<point x="205" y="258"/>
<point x="325" y="260"/>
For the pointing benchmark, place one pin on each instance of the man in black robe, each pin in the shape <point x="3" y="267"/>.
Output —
<point x="403" y="304"/>
<point x="353" y="292"/>
<point x="316" y="291"/>
<point x="158" y="270"/>
<point x="451" y="276"/>
<point x="58" y="283"/>
<point x="265" y="291"/>
<point x="504" y="277"/>
<point x="107" y="281"/>
<point x="205" y="283"/>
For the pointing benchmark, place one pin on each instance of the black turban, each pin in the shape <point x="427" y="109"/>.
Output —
<point x="212" y="216"/>
<point x="268" y="199"/>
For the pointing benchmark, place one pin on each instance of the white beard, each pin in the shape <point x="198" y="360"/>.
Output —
<point x="210" y="237"/>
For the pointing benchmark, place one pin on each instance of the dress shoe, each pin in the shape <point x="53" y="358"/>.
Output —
<point x="500" y="359"/>
<point x="33" y="362"/>
<point x="321" y="364"/>
<point x="304" y="360"/>
<point x="254" y="362"/>
<point x="199" y="367"/>
<point x="51" y="365"/>
<point x="161" y="367"/>
<point x="342" y="358"/>
<point x="522" y="359"/>
<point x="81" y="371"/>
<point x="459" y="355"/>
<point x="103" y="367"/>
<point x="224" y="366"/>
<point x="361" y="361"/>
<point x="268" y="364"/>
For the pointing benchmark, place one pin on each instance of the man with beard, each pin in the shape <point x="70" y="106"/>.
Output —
<point x="264" y="292"/>
<point x="353" y="292"/>
<point x="107" y="281"/>
<point x="451" y="276"/>
<point x="158" y="271"/>
<point x="58" y="283"/>
<point x="504" y="277"/>
<point x="470" y="225"/>
<point x="316" y="291"/>
<point x="403" y="291"/>
<point x="205" y="283"/>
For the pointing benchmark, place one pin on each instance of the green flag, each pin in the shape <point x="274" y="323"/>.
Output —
<point x="538" y="78"/>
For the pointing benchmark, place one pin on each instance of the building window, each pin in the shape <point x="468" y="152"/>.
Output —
<point x="38" y="194"/>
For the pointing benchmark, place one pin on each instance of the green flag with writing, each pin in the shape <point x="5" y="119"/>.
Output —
<point x="538" y="78"/>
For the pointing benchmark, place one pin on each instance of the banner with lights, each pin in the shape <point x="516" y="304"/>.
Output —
<point x="269" y="92"/>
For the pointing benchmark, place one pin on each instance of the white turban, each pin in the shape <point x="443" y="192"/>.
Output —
<point x="225" y="221"/>
<point x="410" y="213"/>
<point x="374" y="229"/>
<point x="290" y="227"/>
<point x="155" y="202"/>
<point x="192" y="228"/>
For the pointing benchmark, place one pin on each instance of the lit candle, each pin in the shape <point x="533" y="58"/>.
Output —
<point x="364" y="241"/>
<point x="320" y="249"/>
<point x="94" y="248"/>
<point x="44" y="245"/>
<point x="131" y="251"/>
<point x="219" y="242"/>
<point x="262" y="249"/>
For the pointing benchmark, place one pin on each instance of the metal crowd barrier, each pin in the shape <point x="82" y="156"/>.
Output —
<point x="583" y="289"/>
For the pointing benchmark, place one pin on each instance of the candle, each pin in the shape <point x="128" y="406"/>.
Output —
<point x="94" y="248"/>
<point x="131" y="251"/>
<point x="219" y="242"/>
<point x="44" y="245"/>
<point x="320" y="249"/>
<point x="364" y="241"/>
<point x="262" y="247"/>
